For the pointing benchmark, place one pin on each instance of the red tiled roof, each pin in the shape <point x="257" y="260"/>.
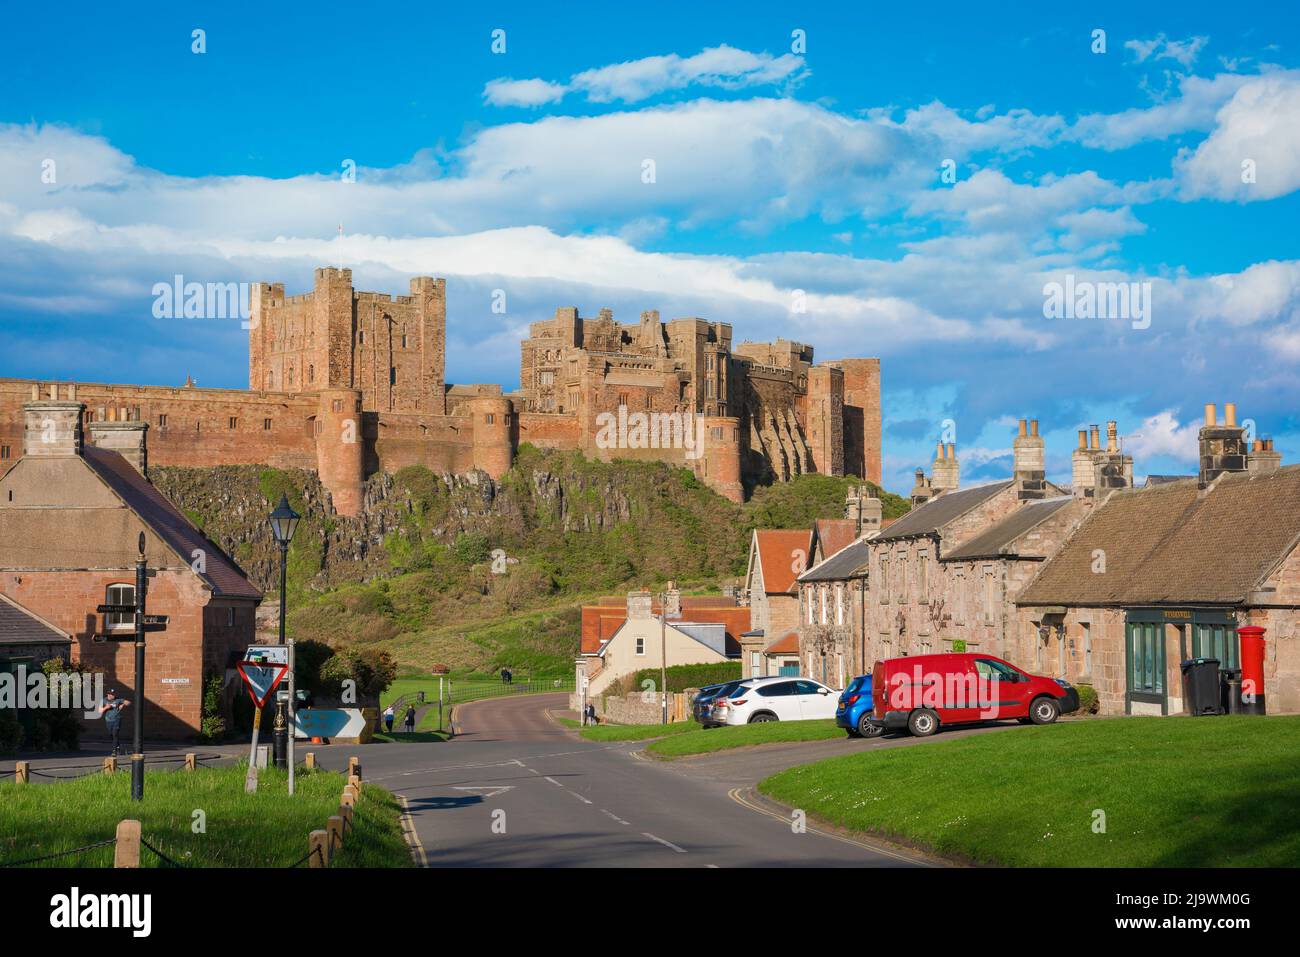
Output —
<point x="835" y="533"/>
<point x="782" y="554"/>
<point x="786" y="645"/>
<point x="139" y="495"/>
<point x="599" y="622"/>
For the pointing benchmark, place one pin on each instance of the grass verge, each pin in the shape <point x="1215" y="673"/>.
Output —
<point x="637" y="732"/>
<point x="265" y="829"/>
<point x="1136" y="792"/>
<point x="707" y="740"/>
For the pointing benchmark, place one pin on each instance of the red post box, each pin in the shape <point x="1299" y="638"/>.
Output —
<point x="1252" y="669"/>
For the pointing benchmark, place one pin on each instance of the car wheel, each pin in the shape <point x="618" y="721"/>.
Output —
<point x="1044" y="710"/>
<point x="853" y="732"/>
<point x="922" y="722"/>
<point x="759" y="718"/>
<point x="868" y="730"/>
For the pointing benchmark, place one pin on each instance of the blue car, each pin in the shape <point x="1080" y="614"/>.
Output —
<point x="853" y="713"/>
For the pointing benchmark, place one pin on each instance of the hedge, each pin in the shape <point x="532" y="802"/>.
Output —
<point x="681" y="677"/>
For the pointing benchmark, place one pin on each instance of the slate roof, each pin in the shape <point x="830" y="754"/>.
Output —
<point x="221" y="574"/>
<point x="998" y="540"/>
<point x="840" y="566"/>
<point x="1166" y="479"/>
<point x="18" y="626"/>
<point x="1171" y="545"/>
<point x="928" y="518"/>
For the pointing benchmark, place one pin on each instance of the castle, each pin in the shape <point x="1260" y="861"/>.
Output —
<point x="349" y="383"/>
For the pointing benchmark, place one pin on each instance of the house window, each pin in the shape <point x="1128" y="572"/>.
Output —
<point x="162" y="421"/>
<point x="230" y="617"/>
<point x="640" y="646"/>
<point x="883" y="589"/>
<point x="990" y="592"/>
<point x="119" y="595"/>
<point x="755" y="663"/>
<point x="1087" y="648"/>
<point x="810" y="600"/>
<point x="923" y="576"/>
<point x="901" y="574"/>
<point x="266" y="425"/>
<point x="234" y="422"/>
<point x="1216" y="641"/>
<point x="825" y="603"/>
<point x="839" y="604"/>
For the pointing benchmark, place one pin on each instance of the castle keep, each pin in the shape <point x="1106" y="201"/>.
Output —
<point x="349" y="383"/>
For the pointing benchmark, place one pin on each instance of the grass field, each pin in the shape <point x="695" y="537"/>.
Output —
<point x="266" y="829"/>
<point x="462" y="690"/>
<point x="636" y="732"/>
<point x="706" y="740"/>
<point x="1132" y="792"/>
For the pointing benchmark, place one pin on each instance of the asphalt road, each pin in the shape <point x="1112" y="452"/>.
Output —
<point x="515" y="789"/>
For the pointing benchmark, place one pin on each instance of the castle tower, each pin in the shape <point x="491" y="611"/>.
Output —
<point x="862" y="425"/>
<point x="339" y="448"/>
<point x="721" y="462"/>
<point x="493" y="446"/>
<point x="825" y="419"/>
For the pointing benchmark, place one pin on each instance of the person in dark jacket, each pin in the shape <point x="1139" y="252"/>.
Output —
<point x="409" y="723"/>
<point x="111" y="711"/>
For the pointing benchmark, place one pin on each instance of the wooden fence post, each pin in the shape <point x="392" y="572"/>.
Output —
<point x="335" y="827"/>
<point x="354" y="767"/>
<point x="318" y="845"/>
<point x="110" y="765"/>
<point x="22" y="772"/>
<point x="126" y="853"/>
<point x="310" y="760"/>
<point x="354" y="781"/>
<point x="191" y="761"/>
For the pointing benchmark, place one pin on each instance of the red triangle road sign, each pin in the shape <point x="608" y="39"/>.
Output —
<point x="261" y="679"/>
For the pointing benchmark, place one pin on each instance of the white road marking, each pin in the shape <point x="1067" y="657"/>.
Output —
<point x="555" y="782"/>
<point x="489" y="790"/>
<point x="614" y="816"/>
<point x="579" y="797"/>
<point x="679" y="850"/>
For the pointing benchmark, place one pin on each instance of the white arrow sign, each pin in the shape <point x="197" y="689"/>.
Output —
<point x="490" y="791"/>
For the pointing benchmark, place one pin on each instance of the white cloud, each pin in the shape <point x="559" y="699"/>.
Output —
<point x="1161" y="435"/>
<point x="1260" y="127"/>
<point x="1161" y="47"/>
<point x="723" y="67"/>
<point x="1193" y="109"/>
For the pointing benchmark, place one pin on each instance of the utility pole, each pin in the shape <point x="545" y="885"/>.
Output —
<point x="663" y="652"/>
<point x="137" y="755"/>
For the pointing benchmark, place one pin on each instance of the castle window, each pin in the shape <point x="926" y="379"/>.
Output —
<point x="4" y="452"/>
<point x="162" y="421"/>
<point x="490" y="419"/>
<point x="289" y="378"/>
<point x="338" y="405"/>
<point x="266" y="425"/>
<point x="649" y="401"/>
<point x="198" y="425"/>
<point x="392" y="375"/>
<point x="361" y="337"/>
<point x="90" y="415"/>
<point x="311" y="373"/>
<point x="234" y="422"/>
<point x="546" y="378"/>
<point x="270" y="380"/>
<point x="403" y="340"/>
<point x="622" y="398"/>
<point x="573" y="400"/>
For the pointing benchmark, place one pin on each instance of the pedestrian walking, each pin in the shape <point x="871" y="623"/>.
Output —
<point x="410" y="719"/>
<point x="388" y="718"/>
<point x="591" y="714"/>
<point x="111" y="711"/>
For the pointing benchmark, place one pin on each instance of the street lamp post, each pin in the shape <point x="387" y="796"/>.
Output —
<point x="284" y="522"/>
<point x="137" y="751"/>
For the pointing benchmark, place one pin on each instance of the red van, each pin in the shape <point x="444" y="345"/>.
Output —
<point x="925" y="691"/>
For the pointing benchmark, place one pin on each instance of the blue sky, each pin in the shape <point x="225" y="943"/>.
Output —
<point x="784" y="174"/>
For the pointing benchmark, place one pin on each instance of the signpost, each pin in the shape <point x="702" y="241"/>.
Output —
<point x="261" y="680"/>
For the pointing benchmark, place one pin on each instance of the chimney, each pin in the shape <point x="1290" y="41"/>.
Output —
<point x="1111" y="468"/>
<point x="52" y="428"/>
<point x="921" y="491"/>
<point x="640" y="605"/>
<point x="1223" y="447"/>
<point x="1081" y="467"/>
<point x="126" y="438"/>
<point x="872" y="516"/>
<point x="945" y="475"/>
<point x="672" y="601"/>
<point x="1029" y="457"/>
<point x="1262" y="459"/>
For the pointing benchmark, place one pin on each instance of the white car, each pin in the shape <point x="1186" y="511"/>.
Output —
<point x="776" y="699"/>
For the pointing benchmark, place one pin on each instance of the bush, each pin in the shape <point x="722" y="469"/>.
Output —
<point x="212" y="724"/>
<point x="372" y="671"/>
<point x="1089" y="703"/>
<point x="11" y="732"/>
<point x="681" y="677"/>
<point x="472" y="548"/>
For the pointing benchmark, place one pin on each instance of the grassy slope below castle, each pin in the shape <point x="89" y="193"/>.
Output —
<point x="481" y="575"/>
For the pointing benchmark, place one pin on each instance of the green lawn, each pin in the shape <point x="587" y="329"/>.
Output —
<point x="706" y="740"/>
<point x="1174" y="792"/>
<point x="266" y="829"/>
<point x="462" y="690"/>
<point x="637" y="732"/>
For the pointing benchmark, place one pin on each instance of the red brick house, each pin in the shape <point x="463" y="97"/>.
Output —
<point x="70" y="517"/>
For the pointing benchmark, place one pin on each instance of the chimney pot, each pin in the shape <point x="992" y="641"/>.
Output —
<point x="1023" y="429"/>
<point x="1083" y="438"/>
<point x="938" y="451"/>
<point x="1211" y="415"/>
<point x="1230" y="413"/>
<point x="1033" y="426"/>
<point x="1094" y="437"/>
<point x="952" y="450"/>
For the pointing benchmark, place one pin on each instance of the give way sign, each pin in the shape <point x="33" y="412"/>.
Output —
<point x="261" y="679"/>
